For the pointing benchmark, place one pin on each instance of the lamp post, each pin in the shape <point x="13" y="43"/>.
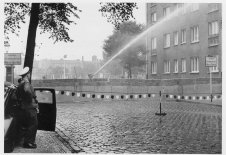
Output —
<point x="64" y="68"/>
<point x="65" y="56"/>
<point x="211" y="91"/>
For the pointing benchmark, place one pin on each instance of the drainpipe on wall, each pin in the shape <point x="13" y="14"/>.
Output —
<point x="147" y="52"/>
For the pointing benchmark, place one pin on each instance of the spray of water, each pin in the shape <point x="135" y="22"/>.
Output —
<point x="143" y="34"/>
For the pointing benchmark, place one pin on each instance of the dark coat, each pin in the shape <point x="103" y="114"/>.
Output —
<point x="27" y="95"/>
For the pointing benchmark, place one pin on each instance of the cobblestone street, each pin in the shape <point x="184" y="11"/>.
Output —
<point x="133" y="127"/>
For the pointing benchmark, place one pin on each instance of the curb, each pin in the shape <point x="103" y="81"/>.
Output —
<point x="47" y="142"/>
<point x="195" y="102"/>
<point x="70" y="144"/>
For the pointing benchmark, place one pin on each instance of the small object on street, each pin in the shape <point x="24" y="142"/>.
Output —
<point x="160" y="105"/>
<point x="160" y="113"/>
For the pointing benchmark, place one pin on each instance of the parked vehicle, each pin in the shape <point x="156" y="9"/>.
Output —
<point x="46" y="117"/>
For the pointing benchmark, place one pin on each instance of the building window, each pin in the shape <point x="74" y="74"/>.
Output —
<point x="213" y="33"/>
<point x="183" y="10"/>
<point x="213" y="7"/>
<point x="153" y="43"/>
<point x="194" y="7"/>
<point x="183" y="36"/>
<point x="183" y="65"/>
<point x="175" y="38"/>
<point x="153" y="67"/>
<point x="167" y="66"/>
<point x="194" y="34"/>
<point x="215" y="68"/>
<point x="166" y="11"/>
<point x="194" y="64"/>
<point x="213" y="41"/>
<point x="153" y="17"/>
<point x="175" y="66"/>
<point x="213" y="28"/>
<point x="166" y="40"/>
<point x="176" y="8"/>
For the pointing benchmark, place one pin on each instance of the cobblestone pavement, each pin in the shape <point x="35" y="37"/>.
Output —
<point x="133" y="127"/>
<point x="47" y="142"/>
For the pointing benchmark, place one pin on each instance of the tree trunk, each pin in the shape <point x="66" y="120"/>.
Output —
<point x="30" y="49"/>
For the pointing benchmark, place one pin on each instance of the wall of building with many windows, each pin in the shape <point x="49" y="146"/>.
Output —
<point x="178" y="46"/>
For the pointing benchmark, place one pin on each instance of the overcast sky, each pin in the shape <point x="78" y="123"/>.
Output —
<point x="88" y="34"/>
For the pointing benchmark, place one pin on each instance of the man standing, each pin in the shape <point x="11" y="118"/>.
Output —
<point x="27" y="115"/>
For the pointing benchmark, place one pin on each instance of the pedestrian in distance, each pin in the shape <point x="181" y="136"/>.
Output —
<point x="28" y="108"/>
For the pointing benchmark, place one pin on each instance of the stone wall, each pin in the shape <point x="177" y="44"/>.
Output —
<point x="129" y="86"/>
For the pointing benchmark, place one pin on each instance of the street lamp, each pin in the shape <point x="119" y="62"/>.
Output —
<point x="65" y="56"/>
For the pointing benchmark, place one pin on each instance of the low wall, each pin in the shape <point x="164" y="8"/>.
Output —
<point x="129" y="86"/>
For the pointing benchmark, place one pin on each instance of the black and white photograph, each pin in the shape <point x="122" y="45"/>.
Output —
<point x="112" y="77"/>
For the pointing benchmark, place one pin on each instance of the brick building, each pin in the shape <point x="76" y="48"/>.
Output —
<point x="177" y="47"/>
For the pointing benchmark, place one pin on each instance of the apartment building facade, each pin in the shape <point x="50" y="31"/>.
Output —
<point x="183" y="36"/>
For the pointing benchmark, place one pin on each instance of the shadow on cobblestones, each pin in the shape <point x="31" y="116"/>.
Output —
<point x="133" y="127"/>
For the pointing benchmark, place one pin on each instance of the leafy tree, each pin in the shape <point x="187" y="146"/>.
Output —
<point x="117" y="13"/>
<point x="54" y="18"/>
<point x="49" y="17"/>
<point x="114" y="69"/>
<point x="131" y="56"/>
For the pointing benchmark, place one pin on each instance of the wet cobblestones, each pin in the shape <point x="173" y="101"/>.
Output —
<point x="133" y="127"/>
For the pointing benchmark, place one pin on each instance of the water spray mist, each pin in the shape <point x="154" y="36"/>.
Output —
<point x="151" y="28"/>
